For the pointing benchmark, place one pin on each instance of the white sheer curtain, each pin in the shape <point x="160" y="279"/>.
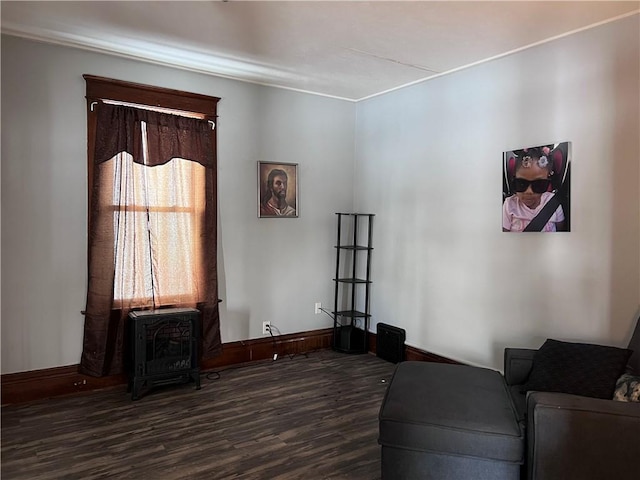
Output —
<point x="157" y="230"/>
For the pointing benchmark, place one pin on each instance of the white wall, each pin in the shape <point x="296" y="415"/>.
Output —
<point x="428" y="164"/>
<point x="270" y="269"/>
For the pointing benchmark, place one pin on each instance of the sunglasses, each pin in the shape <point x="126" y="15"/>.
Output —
<point x="538" y="186"/>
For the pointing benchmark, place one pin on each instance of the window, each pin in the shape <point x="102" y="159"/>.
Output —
<point x="158" y="215"/>
<point x="152" y="212"/>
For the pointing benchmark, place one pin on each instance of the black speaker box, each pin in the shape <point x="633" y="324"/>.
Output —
<point x="390" y="342"/>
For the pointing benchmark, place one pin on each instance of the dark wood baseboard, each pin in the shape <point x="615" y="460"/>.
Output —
<point x="248" y="351"/>
<point x="415" y="354"/>
<point x="33" y="385"/>
<point x="25" y="387"/>
<point x="412" y="353"/>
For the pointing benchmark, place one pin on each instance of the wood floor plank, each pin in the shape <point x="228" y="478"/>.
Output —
<point x="312" y="418"/>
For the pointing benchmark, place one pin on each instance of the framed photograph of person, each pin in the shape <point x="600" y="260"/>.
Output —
<point x="277" y="190"/>
<point x="536" y="188"/>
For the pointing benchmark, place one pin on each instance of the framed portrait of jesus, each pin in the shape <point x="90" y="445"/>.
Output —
<point x="277" y="190"/>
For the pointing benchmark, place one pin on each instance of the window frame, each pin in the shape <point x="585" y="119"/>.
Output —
<point x="136" y="94"/>
<point x="102" y="88"/>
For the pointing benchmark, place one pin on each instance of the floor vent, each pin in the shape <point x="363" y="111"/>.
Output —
<point x="390" y="343"/>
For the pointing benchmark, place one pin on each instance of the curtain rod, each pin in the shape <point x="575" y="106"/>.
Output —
<point x="210" y="122"/>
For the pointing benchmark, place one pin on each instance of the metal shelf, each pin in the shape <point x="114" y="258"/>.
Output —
<point x="351" y="318"/>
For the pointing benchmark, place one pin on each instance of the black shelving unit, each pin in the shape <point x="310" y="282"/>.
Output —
<point x="352" y="283"/>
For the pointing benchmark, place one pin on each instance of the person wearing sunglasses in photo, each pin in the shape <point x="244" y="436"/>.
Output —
<point x="532" y="186"/>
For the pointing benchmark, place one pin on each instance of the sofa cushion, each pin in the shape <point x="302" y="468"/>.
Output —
<point x="577" y="368"/>
<point x="453" y="410"/>
<point x="627" y="388"/>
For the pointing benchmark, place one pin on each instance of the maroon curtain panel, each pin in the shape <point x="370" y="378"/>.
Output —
<point x="118" y="129"/>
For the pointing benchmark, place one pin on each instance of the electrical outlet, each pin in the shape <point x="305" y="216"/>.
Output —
<point x="266" y="328"/>
<point x="318" y="307"/>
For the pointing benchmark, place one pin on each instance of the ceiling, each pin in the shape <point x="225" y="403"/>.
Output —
<point x="350" y="50"/>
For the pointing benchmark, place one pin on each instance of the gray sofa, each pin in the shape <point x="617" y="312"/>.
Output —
<point x="457" y="422"/>
<point x="572" y="436"/>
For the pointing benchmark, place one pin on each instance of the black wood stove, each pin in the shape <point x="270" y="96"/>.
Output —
<point x="163" y="348"/>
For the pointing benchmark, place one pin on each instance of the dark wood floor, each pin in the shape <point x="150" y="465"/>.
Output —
<point x="312" y="418"/>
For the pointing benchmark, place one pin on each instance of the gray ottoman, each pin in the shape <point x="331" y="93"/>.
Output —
<point x="440" y="421"/>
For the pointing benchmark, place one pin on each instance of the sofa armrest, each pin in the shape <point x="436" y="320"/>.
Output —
<point x="517" y="364"/>
<point x="569" y="436"/>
